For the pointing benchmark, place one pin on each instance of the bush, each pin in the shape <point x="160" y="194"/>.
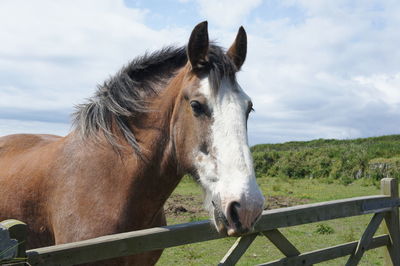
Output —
<point x="345" y="160"/>
<point x="324" y="229"/>
<point x="379" y="168"/>
<point x="263" y="161"/>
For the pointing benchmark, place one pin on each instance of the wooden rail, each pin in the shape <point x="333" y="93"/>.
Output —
<point x="384" y="207"/>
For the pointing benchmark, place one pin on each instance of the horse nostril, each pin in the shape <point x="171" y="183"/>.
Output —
<point x="233" y="213"/>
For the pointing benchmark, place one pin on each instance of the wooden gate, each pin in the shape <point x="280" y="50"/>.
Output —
<point x="384" y="207"/>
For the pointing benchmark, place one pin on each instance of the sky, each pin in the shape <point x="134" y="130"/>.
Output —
<point x="314" y="68"/>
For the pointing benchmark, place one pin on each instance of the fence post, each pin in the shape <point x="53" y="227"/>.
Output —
<point x="18" y="231"/>
<point x="389" y="187"/>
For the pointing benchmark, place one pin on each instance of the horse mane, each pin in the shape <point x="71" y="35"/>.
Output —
<point x="124" y="96"/>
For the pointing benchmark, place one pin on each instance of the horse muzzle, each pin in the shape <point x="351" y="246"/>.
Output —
<point x="237" y="219"/>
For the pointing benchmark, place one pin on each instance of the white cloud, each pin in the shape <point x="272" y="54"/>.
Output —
<point x="385" y="87"/>
<point x="333" y="74"/>
<point x="54" y="53"/>
<point x="227" y="13"/>
<point x="330" y="69"/>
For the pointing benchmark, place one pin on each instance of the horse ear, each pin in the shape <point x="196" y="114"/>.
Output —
<point x="237" y="52"/>
<point x="198" y="46"/>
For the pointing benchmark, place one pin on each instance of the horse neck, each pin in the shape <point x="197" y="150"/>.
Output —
<point x="157" y="172"/>
<point x="149" y="179"/>
<point x="134" y="187"/>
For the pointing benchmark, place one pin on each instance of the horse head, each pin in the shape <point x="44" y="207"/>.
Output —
<point x="209" y="131"/>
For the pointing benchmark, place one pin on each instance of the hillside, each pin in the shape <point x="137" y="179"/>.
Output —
<point x="345" y="160"/>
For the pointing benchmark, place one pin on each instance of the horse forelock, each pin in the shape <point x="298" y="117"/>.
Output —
<point x="120" y="99"/>
<point x="221" y="67"/>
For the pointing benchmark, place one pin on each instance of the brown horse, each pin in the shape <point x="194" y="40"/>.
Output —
<point x="176" y="111"/>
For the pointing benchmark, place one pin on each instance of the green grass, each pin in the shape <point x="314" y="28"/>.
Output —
<point x="311" y="171"/>
<point x="306" y="237"/>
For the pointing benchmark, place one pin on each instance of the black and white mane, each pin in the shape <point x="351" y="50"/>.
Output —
<point x="125" y="95"/>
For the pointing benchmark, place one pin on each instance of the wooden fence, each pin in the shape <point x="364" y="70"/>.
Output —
<point x="384" y="207"/>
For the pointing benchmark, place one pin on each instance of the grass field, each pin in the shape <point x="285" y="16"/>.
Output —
<point x="185" y="205"/>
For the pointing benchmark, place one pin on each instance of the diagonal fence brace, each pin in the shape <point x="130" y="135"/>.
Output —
<point x="281" y="242"/>
<point x="238" y="249"/>
<point x="365" y="240"/>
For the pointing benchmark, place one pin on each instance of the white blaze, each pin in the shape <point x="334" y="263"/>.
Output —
<point x="227" y="170"/>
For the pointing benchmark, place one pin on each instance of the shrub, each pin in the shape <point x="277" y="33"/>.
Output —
<point x="324" y="229"/>
<point x="345" y="160"/>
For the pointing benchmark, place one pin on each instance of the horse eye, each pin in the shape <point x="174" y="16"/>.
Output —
<point x="196" y="107"/>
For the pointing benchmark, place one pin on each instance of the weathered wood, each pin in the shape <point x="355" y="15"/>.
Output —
<point x="390" y="187"/>
<point x="163" y="237"/>
<point x="365" y="240"/>
<point x="18" y="231"/>
<point x="123" y="244"/>
<point x="281" y="242"/>
<point x="237" y="250"/>
<point x="323" y="211"/>
<point x="326" y="254"/>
